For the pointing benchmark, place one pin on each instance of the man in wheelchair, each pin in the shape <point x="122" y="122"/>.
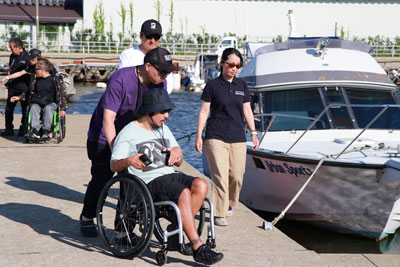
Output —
<point x="44" y="95"/>
<point x="148" y="150"/>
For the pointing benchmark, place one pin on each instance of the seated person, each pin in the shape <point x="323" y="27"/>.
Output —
<point x="149" y="136"/>
<point x="45" y="92"/>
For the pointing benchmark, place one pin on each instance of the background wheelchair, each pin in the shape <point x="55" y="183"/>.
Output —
<point x="58" y="128"/>
<point x="125" y="206"/>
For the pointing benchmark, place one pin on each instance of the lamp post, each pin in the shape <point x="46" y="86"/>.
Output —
<point x="37" y="24"/>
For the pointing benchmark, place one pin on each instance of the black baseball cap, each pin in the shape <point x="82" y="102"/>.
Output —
<point x="150" y="27"/>
<point x="34" y="53"/>
<point x="161" y="58"/>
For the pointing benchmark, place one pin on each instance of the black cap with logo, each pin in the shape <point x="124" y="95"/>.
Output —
<point x="161" y="58"/>
<point x="150" y="27"/>
<point x="34" y="53"/>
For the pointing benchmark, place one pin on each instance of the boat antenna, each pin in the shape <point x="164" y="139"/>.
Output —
<point x="292" y="25"/>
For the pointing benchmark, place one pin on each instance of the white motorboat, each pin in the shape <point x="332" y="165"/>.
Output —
<point x="324" y="102"/>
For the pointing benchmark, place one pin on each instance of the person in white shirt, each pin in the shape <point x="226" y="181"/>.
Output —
<point x="150" y="34"/>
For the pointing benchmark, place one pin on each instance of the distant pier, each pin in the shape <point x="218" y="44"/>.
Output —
<point x="99" y="67"/>
<point x="85" y="67"/>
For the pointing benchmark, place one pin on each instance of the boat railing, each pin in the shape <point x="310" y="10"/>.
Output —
<point x="314" y="120"/>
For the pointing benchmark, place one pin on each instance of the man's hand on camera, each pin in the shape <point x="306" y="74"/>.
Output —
<point x="176" y="155"/>
<point x="136" y="163"/>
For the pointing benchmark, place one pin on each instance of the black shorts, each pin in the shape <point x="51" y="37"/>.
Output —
<point x="170" y="186"/>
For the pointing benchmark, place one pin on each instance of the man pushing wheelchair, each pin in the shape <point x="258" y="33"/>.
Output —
<point x="147" y="149"/>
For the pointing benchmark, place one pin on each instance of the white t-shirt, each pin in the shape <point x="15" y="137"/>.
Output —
<point x="133" y="140"/>
<point x="131" y="57"/>
<point x="134" y="57"/>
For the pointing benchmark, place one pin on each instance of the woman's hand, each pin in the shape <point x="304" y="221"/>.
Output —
<point x="256" y="143"/>
<point x="14" y="98"/>
<point x="63" y="113"/>
<point x="199" y="145"/>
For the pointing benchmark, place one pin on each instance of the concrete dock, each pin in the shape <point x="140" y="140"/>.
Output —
<point x="42" y="188"/>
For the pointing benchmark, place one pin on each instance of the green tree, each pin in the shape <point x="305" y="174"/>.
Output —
<point x="158" y="7"/>
<point x="342" y="33"/>
<point x="98" y="18"/>
<point x="203" y="32"/>
<point x="171" y="17"/>
<point x="122" y="14"/>
<point x="131" y="16"/>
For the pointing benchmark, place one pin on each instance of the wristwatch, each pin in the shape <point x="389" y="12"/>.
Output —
<point x="253" y="132"/>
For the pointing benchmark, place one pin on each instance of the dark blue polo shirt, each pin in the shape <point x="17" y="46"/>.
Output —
<point x="18" y="63"/>
<point x="226" y="121"/>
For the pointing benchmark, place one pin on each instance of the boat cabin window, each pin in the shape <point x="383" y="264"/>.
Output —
<point x="311" y="102"/>
<point x="388" y="120"/>
<point x="299" y="102"/>
<point x="339" y="114"/>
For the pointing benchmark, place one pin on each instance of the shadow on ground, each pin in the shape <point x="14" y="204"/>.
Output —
<point x="52" y="222"/>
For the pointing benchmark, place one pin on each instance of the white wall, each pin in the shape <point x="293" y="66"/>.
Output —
<point x="259" y="18"/>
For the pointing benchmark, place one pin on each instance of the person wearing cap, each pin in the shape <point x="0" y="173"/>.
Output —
<point x="45" y="91"/>
<point x="115" y="109"/>
<point x="34" y="55"/>
<point x="151" y="137"/>
<point x="150" y="34"/>
<point x="18" y="61"/>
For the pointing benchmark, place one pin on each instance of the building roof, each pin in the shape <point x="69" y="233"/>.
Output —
<point x="50" y="11"/>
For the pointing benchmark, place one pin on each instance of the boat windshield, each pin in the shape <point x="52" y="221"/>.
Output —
<point x="310" y="102"/>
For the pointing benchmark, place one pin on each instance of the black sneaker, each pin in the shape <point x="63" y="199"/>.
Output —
<point x="22" y="131"/>
<point x="204" y="254"/>
<point x="88" y="229"/>
<point x="173" y="242"/>
<point x="35" y="134"/>
<point x="46" y="134"/>
<point x="8" y="132"/>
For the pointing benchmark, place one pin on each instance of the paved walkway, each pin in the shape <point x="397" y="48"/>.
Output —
<point x="41" y="192"/>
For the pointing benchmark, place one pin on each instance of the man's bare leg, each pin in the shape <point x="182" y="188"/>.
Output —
<point x="199" y="191"/>
<point x="189" y="227"/>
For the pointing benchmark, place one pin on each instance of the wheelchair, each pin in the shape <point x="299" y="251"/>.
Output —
<point x="125" y="206"/>
<point x="58" y="128"/>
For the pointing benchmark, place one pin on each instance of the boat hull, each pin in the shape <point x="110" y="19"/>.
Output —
<point x="350" y="198"/>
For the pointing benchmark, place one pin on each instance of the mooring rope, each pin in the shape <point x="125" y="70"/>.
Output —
<point x="186" y="136"/>
<point x="300" y="191"/>
<point x="309" y="179"/>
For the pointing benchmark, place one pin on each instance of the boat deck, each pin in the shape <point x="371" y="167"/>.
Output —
<point x="316" y="144"/>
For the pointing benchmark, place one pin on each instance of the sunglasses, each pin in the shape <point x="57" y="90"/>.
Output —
<point x="165" y="111"/>
<point x="162" y="73"/>
<point x="231" y="65"/>
<point x="153" y="36"/>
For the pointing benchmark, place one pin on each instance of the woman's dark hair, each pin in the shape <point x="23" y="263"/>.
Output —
<point x="44" y="64"/>
<point x="16" y="41"/>
<point x="229" y="51"/>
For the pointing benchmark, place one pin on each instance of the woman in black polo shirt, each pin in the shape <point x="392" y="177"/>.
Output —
<point x="225" y="142"/>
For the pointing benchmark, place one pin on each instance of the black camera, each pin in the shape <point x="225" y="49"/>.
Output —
<point x="166" y="156"/>
<point x="145" y="159"/>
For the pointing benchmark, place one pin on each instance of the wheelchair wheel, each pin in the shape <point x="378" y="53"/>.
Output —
<point x="166" y="215"/>
<point x="125" y="206"/>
